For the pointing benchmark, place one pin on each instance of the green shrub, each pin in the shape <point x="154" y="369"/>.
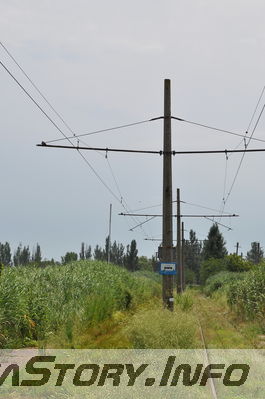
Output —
<point x="230" y="263"/>
<point x="221" y="280"/>
<point x="235" y="263"/>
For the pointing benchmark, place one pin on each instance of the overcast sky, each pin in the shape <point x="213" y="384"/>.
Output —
<point x="102" y="64"/>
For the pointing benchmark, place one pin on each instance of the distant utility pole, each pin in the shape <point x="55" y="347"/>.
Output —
<point x="179" y="275"/>
<point x="167" y="240"/>
<point x="237" y="248"/>
<point x="183" y="256"/>
<point x="109" y="246"/>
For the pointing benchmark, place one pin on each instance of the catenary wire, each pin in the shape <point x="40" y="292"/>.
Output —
<point x="150" y="120"/>
<point x="122" y="200"/>
<point x="252" y="118"/>
<point x="214" y="221"/>
<point x="243" y="155"/>
<point x="35" y="102"/>
<point x="58" y="128"/>
<point x="103" y="130"/>
<point x="140" y="224"/>
<point x="40" y="93"/>
<point x="203" y="207"/>
<point x="256" y="108"/>
<point x="123" y="203"/>
<point x="38" y="90"/>
<point x="224" y="200"/>
<point x="214" y="128"/>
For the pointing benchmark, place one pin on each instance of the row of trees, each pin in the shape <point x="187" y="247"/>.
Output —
<point x="22" y="255"/>
<point x="195" y="253"/>
<point x="117" y="252"/>
<point x="125" y="256"/>
<point x="198" y="253"/>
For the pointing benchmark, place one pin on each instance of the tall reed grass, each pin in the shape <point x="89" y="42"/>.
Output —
<point x="36" y="302"/>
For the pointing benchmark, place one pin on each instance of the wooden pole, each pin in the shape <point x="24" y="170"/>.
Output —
<point x="237" y="247"/>
<point x="109" y="247"/>
<point x="182" y="257"/>
<point x="167" y="243"/>
<point x="179" y="275"/>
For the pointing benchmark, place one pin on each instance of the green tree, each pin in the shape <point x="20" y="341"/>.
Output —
<point x="145" y="264"/>
<point x="98" y="253"/>
<point x="25" y="256"/>
<point x="5" y="254"/>
<point x="235" y="263"/>
<point x="21" y="256"/>
<point x="88" y="252"/>
<point x="131" y="258"/>
<point x="69" y="257"/>
<point x="36" y="255"/>
<point x="255" y="254"/>
<point x="211" y="266"/>
<point x="85" y="252"/>
<point x="17" y="253"/>
<point x="106" y="250"/>
<point x="82" y="251"/>
<point x="117" y="254"/>
<point x="192" y="254"/>
<point x="214" y="246"/>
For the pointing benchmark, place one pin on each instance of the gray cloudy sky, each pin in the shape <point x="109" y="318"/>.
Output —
<point x="102" y="64"/>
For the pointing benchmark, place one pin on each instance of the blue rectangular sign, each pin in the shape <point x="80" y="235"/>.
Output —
<point x="168" y="268"/>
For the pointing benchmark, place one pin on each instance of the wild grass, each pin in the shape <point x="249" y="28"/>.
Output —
<point x="185" y="301"/>
<point x="161" y="329"/>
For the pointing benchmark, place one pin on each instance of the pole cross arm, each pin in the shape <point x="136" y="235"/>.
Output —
<point x="155" y="152"/>
<point x="183" y="216"/>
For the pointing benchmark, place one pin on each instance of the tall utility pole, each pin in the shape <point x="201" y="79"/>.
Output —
<point x="182" y="257"/>
<point x="179" y="275"/>
<point x="237" y="247"/>
<point x="109" y="247"/>
<point x="167" y="241"/>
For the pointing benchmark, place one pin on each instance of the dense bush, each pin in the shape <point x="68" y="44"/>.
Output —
<point x="235" y="263"/>
<point x="36" y="302"/>
<point x="221" y="280"/>
<point x="210" y="267"/>
<point x="230" y="263"/>
<point x="247" y="296"/>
